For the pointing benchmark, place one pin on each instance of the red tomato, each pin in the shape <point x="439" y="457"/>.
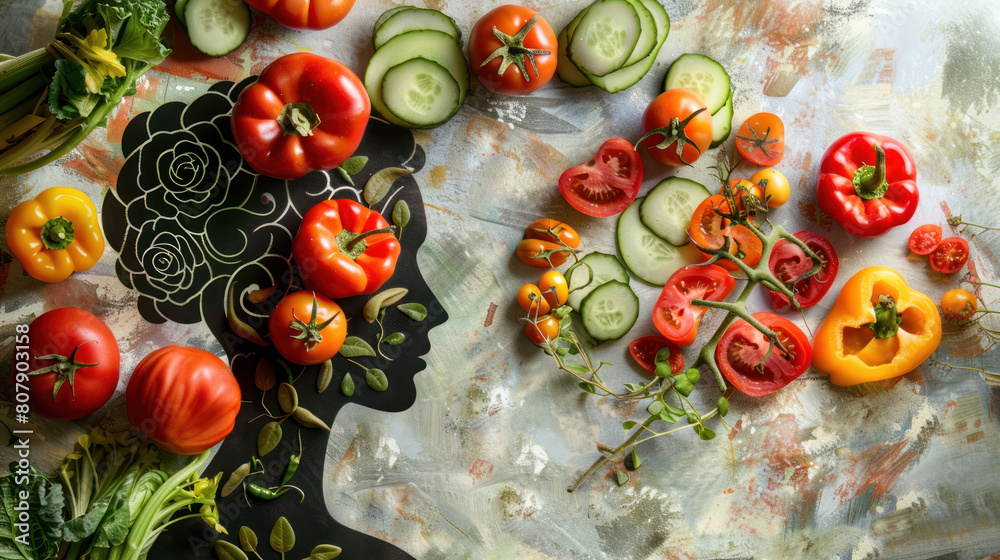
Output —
<point x="72" y="365"/>
<point x="644" y="351"/>
<point x="761" y="139"/>
<point x="521" y="63"/>
<point x="305" y="113"/>
<point x="950" y="255"/>
<point x="674" y="315"/>
<point x="607" y="184"/>
<point x="742" y="348"/>
<point x="708" y="229"/>
<point x="311" y="314"/>
<point x="304" y="14"/>
<point x="680" y="104"/>
<point x="543" y="330"/>
<point x="788" y="262"/>
<point x="185" y="399"/>
<point x="925" y="239"/>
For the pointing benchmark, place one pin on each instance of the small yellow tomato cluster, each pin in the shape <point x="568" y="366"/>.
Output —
<point x="538" y="300"/>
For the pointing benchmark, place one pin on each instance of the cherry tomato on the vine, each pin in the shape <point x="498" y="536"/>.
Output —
<point x="543" y="330"/>
<point x="307" y="328"/>
<point x="761" y="139"/>
<point x="607" y="184"/>
<point x="517" y="64"/>
<point x="554" y="231"/>
<point x="708" y="229"/>
<point x="742" y="351"/>
<point x="777" y="190"/>
<point x="554" y="288"/>
<point x="925" y="239"/>
<point x="950" y="255"/>
<point x="680" y="104"/>
<point x="789" y="263"/>
<point x="959" y="305"/>
<point x="542" y="254"/>
<point x="644" y="350"/>
<point x="529" y="297"/>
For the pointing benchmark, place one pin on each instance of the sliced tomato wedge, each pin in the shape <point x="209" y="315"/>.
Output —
<point x="708" y="229"/>
<point x="789" y="263"/>
<point x="644" y="352"/>
<point x="761" y="139"/>
<point x="925" y="239"/>
<point x="674" y="315"/>
<point x="607" y="184"/>
<point x="742" y="355"/>
<point x="950" y="255"/>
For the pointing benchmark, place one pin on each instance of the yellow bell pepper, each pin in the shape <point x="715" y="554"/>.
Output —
<point x="55" y="234"/>
<point x="878" y="329"/>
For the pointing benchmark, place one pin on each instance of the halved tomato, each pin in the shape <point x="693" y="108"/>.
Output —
<point x="925" y="239"/>
<point x="607" y="184"/>
<point x="761" y="139"/>
<point x="789" y="263"/>
<point x="674" y="315"/>
<point x="950" y="255"/>
<point x="708" y="229"/>
<point x="742" y="355"/>
<point x="644" y="352"/>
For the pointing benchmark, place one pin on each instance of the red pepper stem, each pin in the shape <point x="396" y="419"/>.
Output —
<point x="870" y="180"/>
<point x="361" y="237"/>
<point x="298" y="119"/>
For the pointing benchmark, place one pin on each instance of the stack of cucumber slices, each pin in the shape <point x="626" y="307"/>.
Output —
<point x="418" y="76"/>
<point x="600" y="293"/>
<point x="708" y="78"/>
<point x="612" y="44"/>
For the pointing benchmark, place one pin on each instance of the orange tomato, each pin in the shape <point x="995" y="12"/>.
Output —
<point x="307" y="328"/>
<point x="554" y="288"/>
<point x="543" y="330"/>
<point x="529" y="297"/>
<point x="959" y="305"/>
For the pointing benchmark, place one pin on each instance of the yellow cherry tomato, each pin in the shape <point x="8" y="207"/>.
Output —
<point x="554" y="288"/>
<point x="958" y="305"/>
<point x="543" y="330"/>
<point x="529" y="297"/>
<point x="777" y="186"/>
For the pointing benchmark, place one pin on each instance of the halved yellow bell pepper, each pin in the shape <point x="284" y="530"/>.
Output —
<point x="878" y="329"/>
<point x="55" y="234"/>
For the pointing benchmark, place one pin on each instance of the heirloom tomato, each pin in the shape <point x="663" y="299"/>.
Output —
<point x="607" y="184"/>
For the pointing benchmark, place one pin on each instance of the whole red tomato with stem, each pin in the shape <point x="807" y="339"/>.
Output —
<point x="761" y="139"/>
<point x="674" y="314"/>
<point x="709" y="230"/>
<point x="304" y="14"/>
<point x="512" y="50"/>
<point x="184" y="399"/>
<point x="789" y="264"/>
<point x="752" y="365"/>
<point x="72" y="364"/>
<point x="307" y="328"/>
<point x="950" y="255"/>
<point x="644" y="350"/>
<point x="305" y="113"/>
<point x="607" y="184"/>
<point x="677" y="127"/>
<point x="925" y="239"/>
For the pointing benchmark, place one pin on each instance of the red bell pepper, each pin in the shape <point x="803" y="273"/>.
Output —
<point x="305" y="113"/>
<point x="344" y="249"/>
<point x="868" y="184"/>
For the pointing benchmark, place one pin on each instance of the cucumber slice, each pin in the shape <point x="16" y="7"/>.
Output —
<point x="603" y="268"/>
<point x="415" y="19"/>
<point x="722" y="123"/>
<point x="217" y="27"/>
<point x="565" y="69"/>
<point x="610" y="311"/>
<point x="435" y="46"/>
<point x="668" y="207"/>
<point x="605" y="37"/>
<point x="630" y="75"/>
<point x="647" y="34"/>
<point x="701" y="74"/>
<point x="179" y="9"/>
<point x="388" y="14"/>
<point x="647" y="255"/>
<point x="420" y="92"/>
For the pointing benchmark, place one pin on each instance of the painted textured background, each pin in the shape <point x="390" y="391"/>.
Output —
<point x="478" y="468"/>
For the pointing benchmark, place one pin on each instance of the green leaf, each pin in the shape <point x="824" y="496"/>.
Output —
<point x="248" y="539"/>
<point x="632" y="462"/>
<point x="347" y="385"/>
<point x="288" y="398"/>
<point x="662" y="355"/>
<point x="235" y="479"/>
<point x="395" y="339"/>
<point x="693" y="418"/>
<point x="325" y="552"/>
<point x="381" y="300"/>
<point x="324" y="377"/>
<point x="376" y="379"/>
<point x="723" y="406"/>
<point x="308" y="419"/>
<point x="682" y="385"/>
<point x="229" y="551"/>
<point x="655" y="407"/>
<point x="577" y="368"/>
<point x="282" y="536"/>
<point x="628" y="425"/>
<point x="401" y="213"/>
<point x="667" y="417"/>
<point x="354" y="347"/>
<point x="622" y="476"/>
<point x="268" y="438"/>
<point x="380" y="183"/>
<point x="663" y="370"/>
<point x="707" y="433"/>
<point x="414" y="311"/>
<point x="693" y="375"/>
<point x="68" y="96"/>
<point x="588" y="387"/>
<point x="674" y="410"/>
<point x="354" y="164"/>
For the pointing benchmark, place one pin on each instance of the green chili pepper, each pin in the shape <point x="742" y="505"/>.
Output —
<point x="264" y="493"/>
<point x="293" y="465"/>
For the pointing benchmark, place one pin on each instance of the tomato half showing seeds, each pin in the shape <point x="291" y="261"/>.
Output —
<point x="742" y="351"/>
<point x="708" y="229"/>
<point x="761" y="139"/>
<point x="674" y="315"/>
<point x="925" y="239"/>
<point x="607" y="184"/>
<point x="959" y="305"/>
<point x="950" y="255"/>
<point x="72" y="366"/>
<point x="789" y="263"/>
<point x="644" y="350"/>
<point x="184" y="399"/>
<point x="519" y="62"/>
<point x="696" y="135"/>
<point x="307" y="328"/>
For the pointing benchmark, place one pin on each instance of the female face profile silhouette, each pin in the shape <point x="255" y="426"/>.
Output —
<point x="193" y="224"/>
